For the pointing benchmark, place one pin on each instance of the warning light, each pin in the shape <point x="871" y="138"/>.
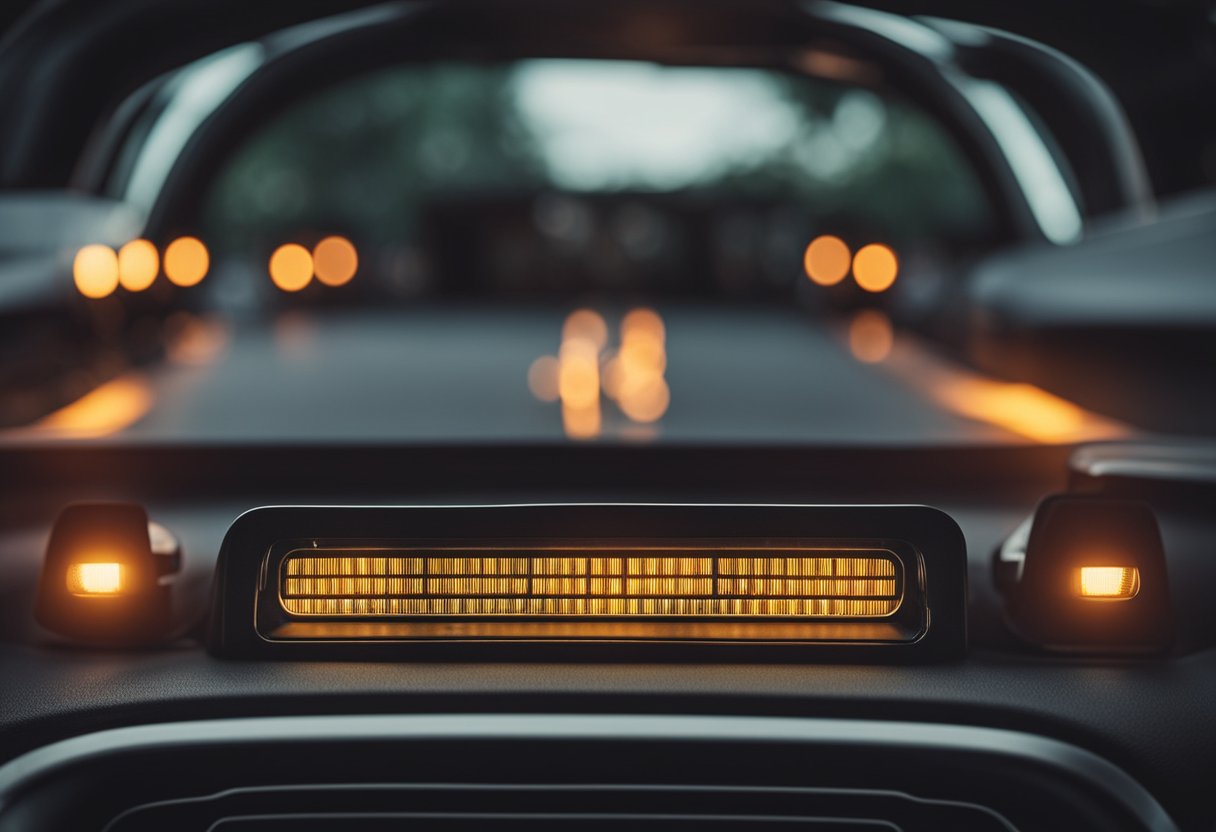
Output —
<point x="95" y="578"/>
<point x="1108" y="582"/>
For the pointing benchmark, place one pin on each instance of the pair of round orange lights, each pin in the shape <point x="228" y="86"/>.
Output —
<point x="99" y="270"/>
<point x="828" y="260"/>
<point x="333" y="262"/>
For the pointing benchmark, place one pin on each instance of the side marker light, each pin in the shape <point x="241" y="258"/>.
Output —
<point x="105" y="579"/>
<point x="1112" y="583"/>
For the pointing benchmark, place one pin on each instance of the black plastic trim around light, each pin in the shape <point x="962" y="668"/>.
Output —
<point x="933" y="535"/>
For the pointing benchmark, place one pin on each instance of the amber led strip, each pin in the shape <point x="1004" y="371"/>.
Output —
<point x="717" y="583"/>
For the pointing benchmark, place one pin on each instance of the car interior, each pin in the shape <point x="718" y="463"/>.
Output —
<point x="645" y="414"/>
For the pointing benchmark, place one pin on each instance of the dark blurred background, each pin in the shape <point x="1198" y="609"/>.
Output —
<point x="1158" y="56"/>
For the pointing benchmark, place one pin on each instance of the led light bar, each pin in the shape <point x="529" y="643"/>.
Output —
<point x="611" y="582"/>
<point x="594" y="579"/>
<point x="1117" y="583"/>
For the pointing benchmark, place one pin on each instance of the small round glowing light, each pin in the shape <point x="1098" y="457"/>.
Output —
<point x="291" y="267"/>
<point x="871" y="336"/>
<point x="95" y="271"/>
<point x="1113" y="582"/>
<point x="586" y="324"/>
<point x="94" y="578"/>
<point x="542" y="378"/>
<point x="138" y="264"/>
<point x="186" y="261"/>
<point x="613" y="377"/>
<point x="826" y="260"/>
<point x="643" y="321"/>
<point x="875" y="267"/>
<point x="581" y="422"/>
<point x="193" y="340"/>
<point x="335" y="261"/>
<point x="578" y="378"/>
<point x="645" y="402"/>
<point x="643" y="354"/>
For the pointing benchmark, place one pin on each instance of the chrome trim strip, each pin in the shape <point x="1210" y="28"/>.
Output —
<point x="1120" y="787"/>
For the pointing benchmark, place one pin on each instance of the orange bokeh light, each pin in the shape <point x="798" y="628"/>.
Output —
<point x="637" y="381"/>
<point x="584" y="369"/>
<point x="138" y="264"/>
<point x="581" y="422"/>
<point x="194" y="340"/>
<point x="95" y="578"/>
<point x="542" y="378"/>
<point x="578" y="378"/>
<point x="1021" y="408"/>
<point x="647" y="401"/>
<point x="871" y="336"/>
<point x="108" y="409"/>
<point x="643" y="321"/>
<point x="291" y="267"/>
<point x="826" y="260"/>
<point x="335" y="261"/>
<point x="95" y="271"/>
<point x="186" y="261"/>
<point x="586" y="324"/>
<point x="1016" y="407"/>
<point x="643" y="354"/>
<point x="875" y="267"/>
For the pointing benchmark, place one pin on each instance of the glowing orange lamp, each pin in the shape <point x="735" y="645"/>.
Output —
<point x="1091" y="578"/>
<point x="104" y="579"/>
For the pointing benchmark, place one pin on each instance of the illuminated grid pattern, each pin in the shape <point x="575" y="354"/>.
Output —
<point x="855" y="585"/>
<point x="95" y="578"/>
<point x="1118" y="582"/>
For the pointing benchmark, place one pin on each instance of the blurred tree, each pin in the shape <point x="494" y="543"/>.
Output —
<point x="363" y="156"/>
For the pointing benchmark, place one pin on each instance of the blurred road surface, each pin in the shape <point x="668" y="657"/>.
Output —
<point x="452" y="374"/>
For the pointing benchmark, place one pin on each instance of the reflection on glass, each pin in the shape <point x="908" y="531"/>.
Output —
<point x="106" y="410"/>
<point x="542" y="378"/>
<point x="578" y="374"/>
<point x="587" y="325"/>
<point x="870" y="336"/>
<point x="1023" y="409"/>
<point x="638" y="384"/>
<point x="585" y="367"/>
<point x="193" y="340"/>
<point x="581" y="422"/>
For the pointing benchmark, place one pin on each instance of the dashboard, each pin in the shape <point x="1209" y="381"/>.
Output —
<point x="208" y="722"/>
<point x="350" y="477"/>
